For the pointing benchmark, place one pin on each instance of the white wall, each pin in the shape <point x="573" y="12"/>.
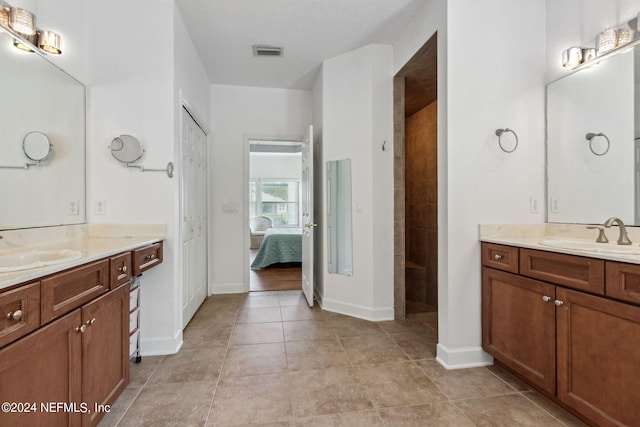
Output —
<point x="500" y="85"/>
<point x="577" y="22"/>
<point x="238" y="113"/>
<point x="275" y="165"/>
<point x="357" y="98"/>
<point x="134" y="89"/>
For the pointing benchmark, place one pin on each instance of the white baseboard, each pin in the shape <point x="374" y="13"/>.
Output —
<point x="459" y="358"/>
<point x="227" y="288"/>
<point x="359" y="311"/>
<point x="161" y="346"/>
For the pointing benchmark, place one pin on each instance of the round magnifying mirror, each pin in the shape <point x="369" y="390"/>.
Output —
<point x="36" y="146"/>
<point x="126" y="148"/>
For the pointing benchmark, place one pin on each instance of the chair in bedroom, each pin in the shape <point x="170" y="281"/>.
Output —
<point x="257" y="226"/>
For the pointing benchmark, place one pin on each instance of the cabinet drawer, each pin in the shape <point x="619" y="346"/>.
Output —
<point x="120" y="269"/>
<point x="500" y="257"/>
<point x="146" y="258"/>
<point x="623" y="281"/>
<point x="19" y="312"/>
<point x="576" y="272"/>
<point x="68" y="290"/>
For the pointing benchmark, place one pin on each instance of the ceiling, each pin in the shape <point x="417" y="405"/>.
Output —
<point x="310" y="31"/>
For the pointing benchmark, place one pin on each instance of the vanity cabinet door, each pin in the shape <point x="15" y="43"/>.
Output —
<point x="518" y="325"/>
<point x="105" y="351"/>
<point x="43" y="368"/>
<point x="599" y="357"/>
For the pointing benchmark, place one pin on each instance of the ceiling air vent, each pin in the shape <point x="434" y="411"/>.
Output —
<point x="262" y="50"/>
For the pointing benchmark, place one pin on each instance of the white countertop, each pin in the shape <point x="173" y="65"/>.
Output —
<point x="93" y="241"/>
<point x="530" y="235"/>
<point x="92" y="249"/>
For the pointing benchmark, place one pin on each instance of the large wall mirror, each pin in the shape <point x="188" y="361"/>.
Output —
<point x="40" y="101"/>
<point x="593" y="162"/>
<point x="339" y="235"/>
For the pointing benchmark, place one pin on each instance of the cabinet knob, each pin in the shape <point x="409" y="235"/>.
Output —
<point x="558" y="302"/>
<point x="15" y="315"/>
<point x="546" y="298"/>
<point x="152" y="256"/>
<point x="497" y="256"/>
<point x="91" y="322"/>
<point x="81" y="328"/>
<point x="123" y="269"/>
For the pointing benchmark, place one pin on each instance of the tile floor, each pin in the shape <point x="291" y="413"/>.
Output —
<point x="266" y="359"/>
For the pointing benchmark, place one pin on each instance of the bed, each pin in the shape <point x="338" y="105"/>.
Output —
<point x="280" y="245"/>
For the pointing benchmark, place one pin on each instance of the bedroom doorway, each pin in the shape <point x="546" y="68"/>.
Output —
<point x="275" y="215"/>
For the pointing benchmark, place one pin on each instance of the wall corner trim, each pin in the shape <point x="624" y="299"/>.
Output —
<point x="465" y="357"/>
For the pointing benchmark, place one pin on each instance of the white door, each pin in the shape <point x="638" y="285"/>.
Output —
<point x="309" y="226"/>
<point x="193" y="226"/>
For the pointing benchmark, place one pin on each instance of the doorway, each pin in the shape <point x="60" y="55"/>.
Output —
<point x="416" y="184"/>
<point x="275" y="218"/>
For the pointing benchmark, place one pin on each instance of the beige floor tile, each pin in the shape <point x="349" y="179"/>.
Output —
<point x="347" y="419"/>
<point x="327" y="391"/>
<point x="507" y="410"/>
<point x="190" y="364"/>
<point x="350" y="326"/>
<point x="213" y="318"/>
<point x="508" y="378"/>
<point x="259" y="315"/>
<point x="293" y="300"/>
<point x="558" y="413"/>
<point x="254" y="399"/>
<point x="369" y="349"/>
<point x="438" y="414"/>
<point x="257" y="333"/>
<point x="289" y="423"/>
<point x="429" y="318"/>
<point x="261" y="301"/>
<point x="416" y="346"/>
<point x="139" y="373"/>
<point x="212" y="336"/>
<point x="464" y="383"/>
<point x="255" y="359"/>
<point x="120" y="406"/>
<point x="306" y="355"/>
<point x="175" y="404"/>
<point x="301" y="312"/>
<point x="307" y="330"/>
<point x="405" y="326"/>
<point x="398" y="384"/>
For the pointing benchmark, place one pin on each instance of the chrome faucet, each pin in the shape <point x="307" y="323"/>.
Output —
<point x="623" y="239"/>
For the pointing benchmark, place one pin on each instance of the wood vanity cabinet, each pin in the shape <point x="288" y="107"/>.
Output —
<point x="579" y="346"/>
<point x="76" y="357"/>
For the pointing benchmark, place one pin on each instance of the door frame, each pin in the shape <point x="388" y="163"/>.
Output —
<point x="246" y="237"/>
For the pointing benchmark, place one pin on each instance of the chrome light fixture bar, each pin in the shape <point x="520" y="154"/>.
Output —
<point x="619" y="49"/>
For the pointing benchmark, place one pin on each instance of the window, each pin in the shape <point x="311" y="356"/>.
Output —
<point x="277" y="199"/>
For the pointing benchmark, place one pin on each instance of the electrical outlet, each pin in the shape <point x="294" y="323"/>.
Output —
<point x="100" y="207"/>
<point x="554" y="206"/>
<point x="533" y="205"/>
<point x="73" y="207"/>
<point x="229" y="207"/>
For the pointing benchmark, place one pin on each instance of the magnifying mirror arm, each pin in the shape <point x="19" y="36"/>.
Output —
<point x="26" y="166"/>
<point x="169" y="169"/>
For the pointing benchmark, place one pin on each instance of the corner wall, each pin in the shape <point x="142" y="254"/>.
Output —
<point x="357" y="103"/>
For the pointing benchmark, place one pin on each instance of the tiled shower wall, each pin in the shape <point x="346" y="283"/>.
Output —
<point x="421" y="206"/>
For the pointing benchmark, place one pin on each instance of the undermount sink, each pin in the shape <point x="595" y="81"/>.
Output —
<point x="32" y="259"/>
<point x="579" y="245"/>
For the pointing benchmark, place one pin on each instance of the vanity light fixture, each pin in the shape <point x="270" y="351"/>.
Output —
<point x="22" y="21"/>
<point x="49" y="42"/>
<point x="572" y="57"/>
<point x="625" y="36"/>
<point x="24" y="46"/>
<point x="4" y="15"/>
<point x="607" y="40"/>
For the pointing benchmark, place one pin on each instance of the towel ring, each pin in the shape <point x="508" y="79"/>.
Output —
<point x="590" y="136"/>
<point x="499" y="133"/>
